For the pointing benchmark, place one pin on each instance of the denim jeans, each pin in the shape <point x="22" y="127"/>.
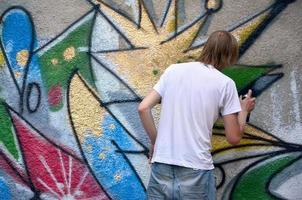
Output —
<point x="180" y="183"/>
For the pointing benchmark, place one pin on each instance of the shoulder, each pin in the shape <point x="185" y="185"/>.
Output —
<point x="224" y="79"/>
<point x="174" y="68"/>
<point x="183" y="66"/>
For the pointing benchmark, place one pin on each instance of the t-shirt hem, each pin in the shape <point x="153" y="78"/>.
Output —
<point x="157" y="90"/>
<point x="183" y="164"/>
<point x="231" y="112"/>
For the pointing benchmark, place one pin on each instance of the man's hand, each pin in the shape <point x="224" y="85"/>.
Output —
<point x="247" y="103"/>
<point x="234" y="123"/>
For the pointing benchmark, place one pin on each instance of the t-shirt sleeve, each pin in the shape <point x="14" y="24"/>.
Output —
<point x="229" y="103"/>
<point x="160" y="86"/>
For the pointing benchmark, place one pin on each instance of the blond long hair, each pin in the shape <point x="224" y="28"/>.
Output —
<point x="220" y="50"/>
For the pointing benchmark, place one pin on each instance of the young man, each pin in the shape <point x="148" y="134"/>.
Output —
<point x="192" y="97"/>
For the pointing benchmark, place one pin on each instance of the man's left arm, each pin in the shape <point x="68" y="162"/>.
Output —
<point x="146" y="116"/>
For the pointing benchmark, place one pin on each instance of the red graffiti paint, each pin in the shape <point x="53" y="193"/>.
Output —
<point x="52" y="170"/>
<point x="55" y="95"/>
<point x="13" y="169"/>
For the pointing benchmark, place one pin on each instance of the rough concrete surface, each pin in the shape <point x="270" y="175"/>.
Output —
<point x="69" y="128"/>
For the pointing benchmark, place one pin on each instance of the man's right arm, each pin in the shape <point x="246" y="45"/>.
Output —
<point x="234" y="123"/>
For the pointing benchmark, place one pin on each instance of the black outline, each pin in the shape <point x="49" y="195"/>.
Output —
<point x="116" y="76"/>
<point x="286" y="148"/>
<point x="141" y="6"/>
<point x="277" y="8"/>
<point x="30" y="56"/>
<point x="253" y="137"/>
<point x="96" y="7"/>
<point x="197" y="33"/>
<point x="166" y="13"/>
<point x="186" y="28"/>
<point x="122" y="101"/>
<point x="253" y="37"/>
<point x="270" y="68"/>
<point x="277" y="138"/>
<point x="10" y="68"/>
<point x="33" y="51"/>
<point x="278" y="143"/>
<point x="271" y="154"/>
<point x="223" y="177"/>
<point x="31" y="185"/>
<point x="76" y="72"/>
<point x="119" y="50"/>
<point x="252" y="17"/>
<point x="238" y="177"/>
<point x="279" y="171"/>
<point x="244" y="145"/>
<point x="258" y="93"/>
<point x="65" y="150"/>
<point x="210" y="10"/>
<point x="255" y="156"/>
<point x="64" y="31"/>
<point x="28" y="95"/>
<point x="176" y="18"/>
<point x="10" y="163"/>
<point x="21" y="89"/>
<point x="117" y="11"/>
<point x="133" y="152"/>
<point x="279" y="75"/>
<point x="119" y="150"/>
<point x="89" y="41"/>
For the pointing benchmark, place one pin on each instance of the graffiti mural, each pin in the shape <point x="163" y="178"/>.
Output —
<point x="69" y="127"/>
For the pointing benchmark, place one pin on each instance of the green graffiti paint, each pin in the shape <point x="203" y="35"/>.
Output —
<point x="59" y="61"/>
<point x="255" y="180"/>
<point x="244" y="75"/>
<point x="6" y="133"/>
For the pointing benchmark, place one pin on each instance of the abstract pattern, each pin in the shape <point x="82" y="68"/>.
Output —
<point x="18" y="43"/>
<point x="102" y="140"/>
<point x="53" y="172"/>
<point x="69" y="127"/>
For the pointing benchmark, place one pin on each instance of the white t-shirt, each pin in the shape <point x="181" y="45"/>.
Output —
<point x="193" y="95"/>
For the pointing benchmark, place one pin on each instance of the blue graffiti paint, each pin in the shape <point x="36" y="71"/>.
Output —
<point x="110" y="167"/>
<point x="16" y="37"/>
<point x="5" y="192"/>
<point x="18" y="40"/>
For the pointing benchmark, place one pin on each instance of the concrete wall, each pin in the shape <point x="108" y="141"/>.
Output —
<point x="72" y="74"/>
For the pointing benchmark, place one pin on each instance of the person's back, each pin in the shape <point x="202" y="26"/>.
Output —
<point x="192" y="99"/>
<point x="193" y="95"/>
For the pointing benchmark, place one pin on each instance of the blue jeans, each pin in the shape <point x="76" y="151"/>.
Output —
<point x="180" y="183"/>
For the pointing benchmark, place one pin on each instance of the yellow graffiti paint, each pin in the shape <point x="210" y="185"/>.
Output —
<point x="1" y="59"/>
<point x="242" y="33"/>
<point x="112" y="126"/>
<point x="69" y="53"/>
<point x="212" y="4"/>
<point x="118" y="177"/>
<point x="18" y="74"/>
<point x="156" y="54"/>
<point x="54" y="61"/>
<point x="89" y="148"/>
<point x="22" y="57"/>
<point x="252" y="135"/>
<point x="85" y="110"/>
<point x="102" y="155"/>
